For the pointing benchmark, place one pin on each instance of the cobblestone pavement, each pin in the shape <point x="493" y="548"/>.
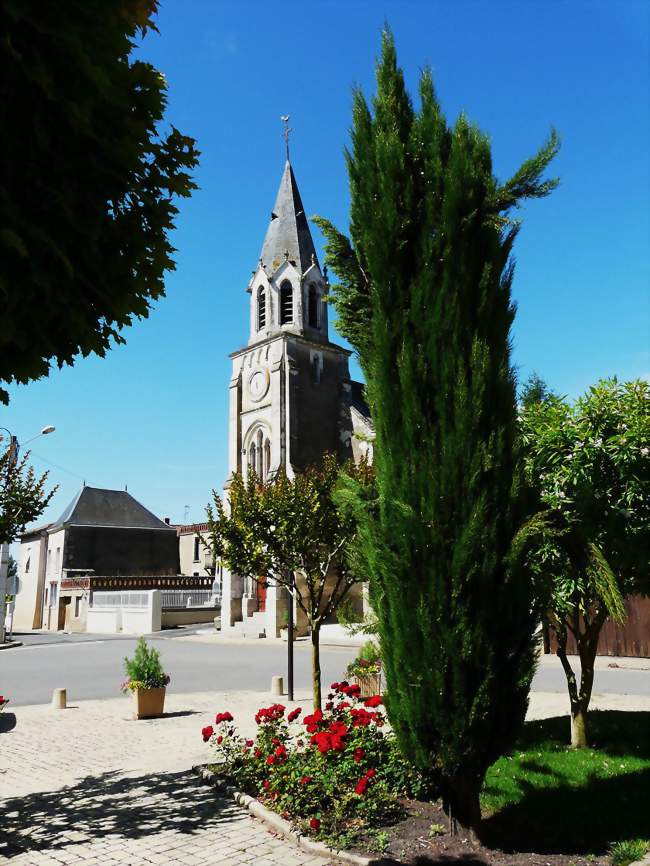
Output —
<point x="89" y="785"/>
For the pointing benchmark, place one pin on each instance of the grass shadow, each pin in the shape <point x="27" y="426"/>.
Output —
<point x="562" y="801"/>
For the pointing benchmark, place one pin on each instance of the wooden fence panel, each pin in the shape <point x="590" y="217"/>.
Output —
<point x="631" y="638"/>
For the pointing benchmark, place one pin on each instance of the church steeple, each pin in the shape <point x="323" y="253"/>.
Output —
<point x="288" y="236"/>
<point x="288" y="288"/>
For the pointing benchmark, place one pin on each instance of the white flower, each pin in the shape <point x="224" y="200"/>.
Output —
<point x="645" y="452"/>
<point x="598" y="442"/>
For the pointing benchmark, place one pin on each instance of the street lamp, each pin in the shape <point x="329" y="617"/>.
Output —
<point x="14" y="448"/>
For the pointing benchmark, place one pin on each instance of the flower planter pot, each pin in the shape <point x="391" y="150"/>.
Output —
<point x="148" y="703"/>
<point x="370" y="684"/>
<point x="284" y="634"/>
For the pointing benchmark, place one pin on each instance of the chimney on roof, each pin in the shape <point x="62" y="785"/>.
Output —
<point x="166" y="519"/>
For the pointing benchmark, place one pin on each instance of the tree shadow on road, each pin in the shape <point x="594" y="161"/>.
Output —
<point x="110" y="804"/>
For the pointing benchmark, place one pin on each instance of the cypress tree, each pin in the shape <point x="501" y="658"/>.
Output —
<point x="425" y="299"/>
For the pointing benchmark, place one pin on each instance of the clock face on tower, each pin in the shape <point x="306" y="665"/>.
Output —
<point x="258" y="384"/>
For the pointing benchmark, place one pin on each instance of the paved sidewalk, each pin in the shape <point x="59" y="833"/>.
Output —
<point x="89" y="785"/>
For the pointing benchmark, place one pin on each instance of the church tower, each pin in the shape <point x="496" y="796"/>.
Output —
<point x="291" y="398"/>
<point x="290" y="386"/>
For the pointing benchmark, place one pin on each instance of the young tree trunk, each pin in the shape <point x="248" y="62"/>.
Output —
<point x="315" y="665"/>
<point x="462" y="805"/>
<point x="587" y="643"/>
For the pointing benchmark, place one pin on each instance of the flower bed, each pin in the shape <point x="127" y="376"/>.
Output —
<point x="335" y="774"/>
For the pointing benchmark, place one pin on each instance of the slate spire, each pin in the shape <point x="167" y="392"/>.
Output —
<point x="288" y="235"/>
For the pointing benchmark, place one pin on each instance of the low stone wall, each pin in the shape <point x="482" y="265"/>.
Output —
<point x="189" y="616"/>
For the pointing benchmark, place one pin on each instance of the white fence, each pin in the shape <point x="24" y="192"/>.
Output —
<point x="128" y="612"/>
<point x="175" y="599"/>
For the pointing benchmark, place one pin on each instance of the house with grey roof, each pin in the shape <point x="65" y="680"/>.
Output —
<point x="103" y="535"/>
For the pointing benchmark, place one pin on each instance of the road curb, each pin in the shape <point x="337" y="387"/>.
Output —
<point x="276" y="823"/>
<point x="11" y="644"/>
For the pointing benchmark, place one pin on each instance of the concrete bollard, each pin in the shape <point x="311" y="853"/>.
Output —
<point x="59" y="699"/>
<point x="277" y="685"/>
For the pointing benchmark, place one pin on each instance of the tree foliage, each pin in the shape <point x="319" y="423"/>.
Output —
<point x="22" y="495"/>
<point x="297" y="531"/>
<point x="590" y="461"/>
<point x="87" y="181"/>
<point x="424" y="297"/>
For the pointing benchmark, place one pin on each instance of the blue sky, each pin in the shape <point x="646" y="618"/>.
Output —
<point x="153" y="414"/>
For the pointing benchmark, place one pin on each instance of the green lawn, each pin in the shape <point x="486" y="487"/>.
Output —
<point x="547" y="798"/>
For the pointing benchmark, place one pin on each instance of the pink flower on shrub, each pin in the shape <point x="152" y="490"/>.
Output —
<point x="207" y="732"/>
<point x="314" y="823"/>
<point x="374" y="701"/>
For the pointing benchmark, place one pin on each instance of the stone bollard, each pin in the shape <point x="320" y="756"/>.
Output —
<point x="59" y="699"/>
<point x="277" y="686"/>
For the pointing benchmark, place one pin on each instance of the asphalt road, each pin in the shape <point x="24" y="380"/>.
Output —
<point x="92" y="667"/>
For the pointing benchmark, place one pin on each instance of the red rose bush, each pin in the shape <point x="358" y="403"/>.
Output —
<point x="336" y="774"/>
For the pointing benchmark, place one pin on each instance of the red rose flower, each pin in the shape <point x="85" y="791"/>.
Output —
<point x="358" y="754"/>
<point x="223" y="717"/>
<point x="305" y="780"/>
<point x="338" y="728"/>
<point x="370" y="773"/>
<point x="206" y="732"/>
<point x="275" y="741"/>
<point x="258" y="753"/>
<point x="219" y="740"/>
<point x="314" y="823"/>
<point x="329" y="705"/>
<point x="361" y="786"/>
<point x="249" y="743"/>
<point x="322" y="741"/>
<point x="266" y="784"/>
<point x="374" y="701"/>
<point x="335" y="687"/>
<point x="293" y="715"/>
<point x="270" y="760"/>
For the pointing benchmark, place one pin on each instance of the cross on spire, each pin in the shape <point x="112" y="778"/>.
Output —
<point x="286" y="132"/>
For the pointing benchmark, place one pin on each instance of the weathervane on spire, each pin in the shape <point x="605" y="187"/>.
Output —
<point x="286" y="132"/>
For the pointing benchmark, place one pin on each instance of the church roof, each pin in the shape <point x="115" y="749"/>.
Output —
<point x="94" y="506"/>
<point x="289" y="228"/>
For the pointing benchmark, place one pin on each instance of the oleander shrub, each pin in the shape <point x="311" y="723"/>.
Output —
<point x="334" y="773"/>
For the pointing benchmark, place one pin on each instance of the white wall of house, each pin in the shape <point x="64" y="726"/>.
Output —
<point x="31" y="570"/>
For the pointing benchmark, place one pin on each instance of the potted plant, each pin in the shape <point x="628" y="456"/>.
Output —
<point x="365" y="670"/>
<point x="146" y="680"/>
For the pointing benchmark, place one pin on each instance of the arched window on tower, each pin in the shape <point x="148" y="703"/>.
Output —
<point x="267" y="458"/>
<point x="260" y="455"/>
<point x="312" y="307"/>
<point x="252" y="457"/>
<point x="261" y="308"/>
<point x="286" y="303"/>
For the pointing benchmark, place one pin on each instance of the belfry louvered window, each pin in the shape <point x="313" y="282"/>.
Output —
<point x="286" y="303"/>
<point x="261" y="308"/>
<point x="312" y="305"/>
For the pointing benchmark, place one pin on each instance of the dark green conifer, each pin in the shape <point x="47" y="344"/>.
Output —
<point x="425" y="300"/>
